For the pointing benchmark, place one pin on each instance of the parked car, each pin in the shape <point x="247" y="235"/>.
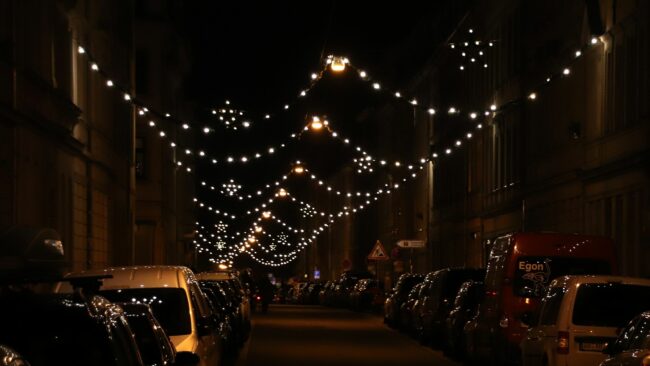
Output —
<point x="398" y="295"/>
<point x="9" y="357"/>
<point x="580" y="315"/>
<point x="520" y="267"/>
<point x="324" y="295"/>
<point x="238" y="295"/>
<point x="438" y="301"/>
<point x="176" y="300"/>
<point x="406" y="311"/>
<point x="67" y="330"/>
<point x="464" y="308"/>
<point x="367" y="295"/>
<point x="153" y="343"/>
<point x="632" y="347"/>
<point x="51" y="329"/>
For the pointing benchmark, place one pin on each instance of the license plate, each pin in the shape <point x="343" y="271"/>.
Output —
<point x="592" y="347"/>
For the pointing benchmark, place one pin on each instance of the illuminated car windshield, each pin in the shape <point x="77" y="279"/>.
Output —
<point x="169" y="306"/>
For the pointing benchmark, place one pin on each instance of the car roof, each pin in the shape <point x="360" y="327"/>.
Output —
<point x="574" y="280"/>
<point x="215" y="276"/>
<point x="144" y="277"/>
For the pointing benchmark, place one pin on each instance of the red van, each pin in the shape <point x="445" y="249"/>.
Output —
<point x="519" y="269"/>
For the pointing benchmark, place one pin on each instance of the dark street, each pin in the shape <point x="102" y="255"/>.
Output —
<point x="316" y="335"/>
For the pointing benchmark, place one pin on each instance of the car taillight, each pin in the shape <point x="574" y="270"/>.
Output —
<point x="563" y="343"/>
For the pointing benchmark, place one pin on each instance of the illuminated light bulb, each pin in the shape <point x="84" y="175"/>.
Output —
<point x="471" y="30"/>
<point x="187" y="152"/>
<point x="230" y="159"/>
<point x="477" y="42"/>
<point x="244" y="159"/>
<point x="81" y="50"/>
<point x="472" y="59"/>
<point x="94" y="67"/>
<point x="485" y="66"/>
<point x="448" y="151"/>
<point x="228" y="103"/>
<point x="490" y="44"/>
<point x="299" y="169"/>
<point x="463" y="54"/>
<point x="141" y="112"/>
<point x="167" y="115"/>
<point x="434" y="155"/>
<point x="461" y="67"/>
<point x="179" y="163"/>
<point x="266" y="214"/>
<point x="152" y="123"/>
<point x="251" y="239"/>
<point x="532" y="96"/>
<point x="414" y="102"/>
<point x="480" y="53"/>
<point x="487" y="113"/>
<point x="383" y="162"/>
<point x="172" y="144"/>
<point x="162" y="133"/>
<point x="398" y="95"/>
<point x="594" y="40"/>
<point x="271" y="150"/>
<point x="267" y="116"/>
<point x="548" y="80"/>
<point x="431" y="111"/>
<point x="316" y="124"/>
<point x="578" y="53"/>
<point x="452" y="45"/>
<point x="337" y="64"/>
<point x="458" y="143"/>
<point x="363" y="74"/>
<point x="201" y="153"/>
<point x="466" y="44"/>
<point x="303" y="93"/>
<point x="452" y="110"/>
<point x="469" y="135"/>
<point x="214" y="161"/>
<point x="206" y="130"/>
<point x="109" y="83"/>
<point x="286" y="106"/>
<point x="314" y="76"/>
<point x="479" y="126"/>
<point x="423" y="160"/>
<point x="258" y="229"/>
<point x="376" y="86"/>
<point x="566" y="71"/>
<point x="493" y="107"/>
<point x="397" y="163"/>
<point x="246" y="124"/>
<point x="185" y="126"/>
<point x="189" y="170"/>
<point x="282" y="192"/>
<point x="472" y="115"/>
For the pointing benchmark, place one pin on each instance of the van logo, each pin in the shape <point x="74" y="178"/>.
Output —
<point x="535" y="275"/>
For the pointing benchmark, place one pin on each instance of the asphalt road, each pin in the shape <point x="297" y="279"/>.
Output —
<point x="313" y="335"/>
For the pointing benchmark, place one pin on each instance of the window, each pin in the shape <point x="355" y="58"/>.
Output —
<point x="617" y="304"/>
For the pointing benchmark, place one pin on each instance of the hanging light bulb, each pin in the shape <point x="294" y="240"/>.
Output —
<point x="298" y="169"/>
<point x="282" y="192"/>
<point x="316" y="123"/>
<point x="337" y="64"/>
<point x="266" y="214"/>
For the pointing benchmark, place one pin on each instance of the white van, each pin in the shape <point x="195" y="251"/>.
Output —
<point x="579" y="315"/>
<point x="176" y="300"/>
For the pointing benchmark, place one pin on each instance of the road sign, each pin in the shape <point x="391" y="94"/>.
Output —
<point x="378" y="253"/>
<point x="411" y="244"/>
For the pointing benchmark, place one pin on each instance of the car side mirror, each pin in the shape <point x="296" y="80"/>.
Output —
<point x="611" y="348"/>
<point x="185" y="358"/>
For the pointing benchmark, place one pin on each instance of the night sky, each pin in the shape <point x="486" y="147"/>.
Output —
<point x="260" y="55"/>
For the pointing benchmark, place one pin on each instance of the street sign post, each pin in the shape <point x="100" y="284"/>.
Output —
<point x="378" y="253"/>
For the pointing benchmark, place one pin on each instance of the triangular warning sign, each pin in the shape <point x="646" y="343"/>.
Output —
<point x="378" y="253"/>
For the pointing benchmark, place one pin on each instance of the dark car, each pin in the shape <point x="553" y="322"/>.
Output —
<point x="63" y="330"/>
<point x="153" y="343"/>
<point x="225" y="315"/>
<point x="465" y="307"/>
<point x="9" y="357"/>
<point x="398" y="295"/>
<point x="406" y="313"/>
<point x="632" y="347"/>
<point x="437" y="302"/>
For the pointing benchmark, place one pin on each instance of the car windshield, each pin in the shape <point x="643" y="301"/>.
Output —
<point x="145" y="338"/>
<point x="617" y="304"/>
<point x="533" y="274"/>
<point x="169" y="306"/>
